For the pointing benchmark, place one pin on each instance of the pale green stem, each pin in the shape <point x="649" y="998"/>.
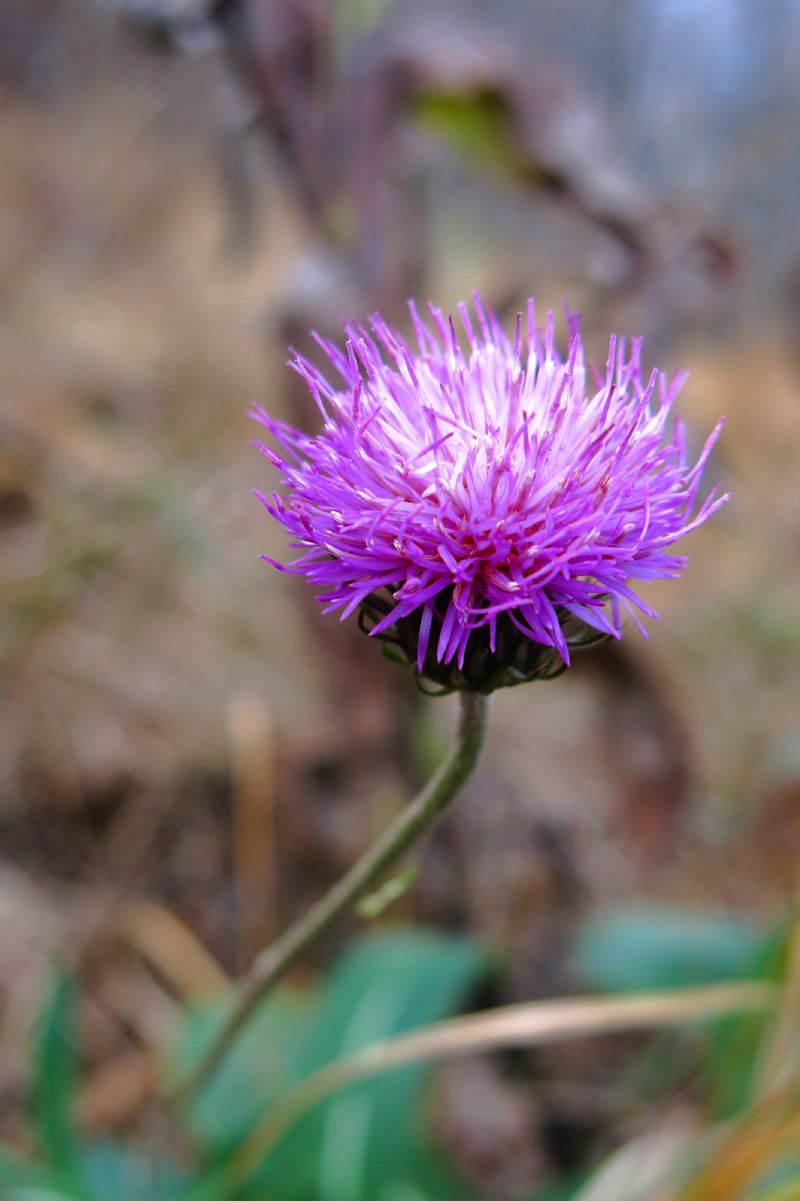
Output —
<point x="416" y="819"/>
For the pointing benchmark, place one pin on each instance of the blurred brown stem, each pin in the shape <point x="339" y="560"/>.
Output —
<point x="416" y="819"/>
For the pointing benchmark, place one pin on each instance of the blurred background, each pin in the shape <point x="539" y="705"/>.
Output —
<point x="189" y="752"/>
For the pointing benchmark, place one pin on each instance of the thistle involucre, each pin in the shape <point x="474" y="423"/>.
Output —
<point x="480" y="500"/>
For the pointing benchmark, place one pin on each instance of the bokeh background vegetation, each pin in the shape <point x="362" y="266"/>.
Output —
<point x="189" y="753"/>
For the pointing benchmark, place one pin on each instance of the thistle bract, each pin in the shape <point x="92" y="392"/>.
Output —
<point x="482" y="501"/>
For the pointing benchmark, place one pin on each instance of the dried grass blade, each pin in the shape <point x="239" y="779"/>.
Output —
<point x="531" y="1024"/>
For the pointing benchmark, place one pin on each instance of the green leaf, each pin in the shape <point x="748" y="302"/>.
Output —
<point x="563" y="1189"/>
<point x="731" y="1060"/>
<point x="653" y="947"/>
<point x="649" y="946"/>
<point x="259" y="1068"/>
<point x="367" y="1143"/>
<point x="477" y="125"/>
<point x="54" y="1080"/>
<point x="114" y="1172"/>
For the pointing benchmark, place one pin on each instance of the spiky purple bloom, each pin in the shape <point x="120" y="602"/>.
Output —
<point x="479" y="502"/>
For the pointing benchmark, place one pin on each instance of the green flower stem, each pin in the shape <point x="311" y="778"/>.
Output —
<point x="272" y="964"/>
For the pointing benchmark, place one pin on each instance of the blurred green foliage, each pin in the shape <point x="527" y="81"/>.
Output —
<point x="368" y="1141"/>
<point x="642" y="946"/>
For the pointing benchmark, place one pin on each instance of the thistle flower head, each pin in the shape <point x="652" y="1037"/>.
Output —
<point x="479" y="499"/>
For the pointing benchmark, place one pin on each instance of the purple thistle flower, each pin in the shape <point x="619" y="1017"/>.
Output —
<point x="483" y="505"/>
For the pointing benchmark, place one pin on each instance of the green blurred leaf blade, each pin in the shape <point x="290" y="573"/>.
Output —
<point x="259" y="1068"/>
<point x="55" y="1080"/>
<point x="367" y="1143"/>
<point x="640" y="947"/>
<point x="114" y="1171"/>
